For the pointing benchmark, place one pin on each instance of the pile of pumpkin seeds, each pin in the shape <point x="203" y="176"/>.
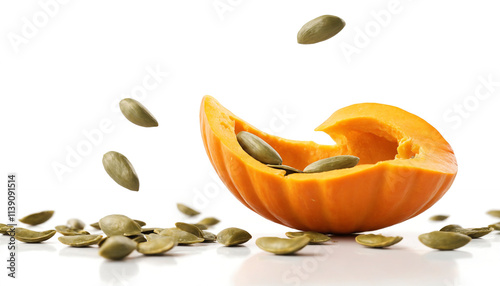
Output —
<point x="261" y="151"/>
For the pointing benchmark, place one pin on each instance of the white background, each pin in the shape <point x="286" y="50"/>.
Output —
<point x="64" y="67"/>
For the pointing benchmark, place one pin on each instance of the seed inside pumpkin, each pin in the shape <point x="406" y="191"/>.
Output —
<point x="259" y="149"/>
<point x="332" y="163"/>
<point x="288" y="170"/>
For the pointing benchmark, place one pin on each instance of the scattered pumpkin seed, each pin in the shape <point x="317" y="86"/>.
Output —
<point x="100" y="243"/>
<point x="117" y="247"/>
<point x="140" y="222"/>
<point x="279" y="245"/>
<point x="76" y="223"/>
<point x="259" y="149"/>
<point x="187" y="210"/>
<point x="472" y="232"/>
<point x="320" y="29"/>
<point x="495" y="213"/>
<point x="152" y="236"/>
<point x="119" y="225"/>
<point x="158" y="230"/>
<point x="80" y="240"/>
<point x="439" y="217"/>
<point x="332" y="163"/>
<point x="200" y="226"/>
<point x="233" y="236"/>
<point x="95" y="225"/>
<point x="137" y="113"/>
<point x="191" y="228"/>
<point x="377" y="240"/>
<point x="138" y="238"/>
<point x="444" y="240"/>
<point x="31" y="236"/>
<point x="120" y="170"/>
<point x="181" y="236"/>
<point x="156" y="246"/>
<point x="495" y="226"/>
<point x="37" y="218"/>
<point x="209" y="221"/>
<point x="208" y="236"/>
<point x="288" y="170"/>
<point x="4" y="228"/>
<point x="69" y="231"/>
<point x="315" y="237"/>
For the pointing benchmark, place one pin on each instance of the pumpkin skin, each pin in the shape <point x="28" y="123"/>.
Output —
<point x="405" y="167"/>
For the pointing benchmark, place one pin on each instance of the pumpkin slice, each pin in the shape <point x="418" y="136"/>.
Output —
<point x="405" y="167"/>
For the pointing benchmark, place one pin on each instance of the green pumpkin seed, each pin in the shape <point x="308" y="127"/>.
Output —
<point x="119" y="225"/>
<point x="332" y="163"/>
<point x="95" y="225"/>
<point x="37" y="218"/>
<point x="117" y="247"/>
<point x="288" y="170"/>
<point x="209" y="221"/>
<point x="140" y="222"/>
<point x="279" y="245"/>
<point x="31" y="236"/>
<point x="377" y="240"/>
<point x="156" y="246"/>
<point x="75" y="223"/>
<point x="495" y="213"/>
<point x="471" y="232"/>
<point x="182" y="237"/>
<point x="191" y="228"/>
<point x="4" y="228"/>
<point x="320" y="29"/>
<point x="187" y="210"/>
<point x="438" y="217"/>
<point x="200" y="226"/>
<point x="315" y="237"/>
<point x="80" y="240"/>
<point x="444" y="240"/>
<point x="136" y="113"/>
<point x="495" y="226"/>
<point x="120" y="170"/>
<point x="69" y="231"/>
<point x="138" y="238"/>
<point x="101" y="242"/>
<point x="259" y="149"/>
<point x="152" y="236"/>
<point x="233" y="236"/>
<point x="208" y="236"/>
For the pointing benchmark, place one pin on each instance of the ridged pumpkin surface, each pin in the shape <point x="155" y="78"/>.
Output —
<point x="405" y="167"/>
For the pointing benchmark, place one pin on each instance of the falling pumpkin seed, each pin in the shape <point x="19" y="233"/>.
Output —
<point x="120" y="170"/>
<point x="37" y="218"/>
<point x="80" y="240"/>
<point x="377" y="240"/>
<point x="209" y="221"/>
<point x="444" y="240"/>
<point x="439" y="217"/>
<point x="495" y="213"/>
<point x="233" y="236"/>
<point x="282" y="246"/>
<point x="187" y="210"/>
<point x="117" y="247"/>
<point x="259" y="149"/>
<point x="137" y="113"/>
<point x="320" y="29"/>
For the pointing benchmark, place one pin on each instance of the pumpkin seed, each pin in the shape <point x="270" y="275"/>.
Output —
<point x="152" y="236"/>
<point x="209" y="221"/>
<point x="147" y="230"/>
<point x="444" y="240"/>
<point x="208" y="236"/>
<point x="288" y="170"/>
<point x="332" y="163"/>
<point x="117" y="247"/>
<point x="200" y="226"/>
<point x="279" y="245"/>
<point x="37" y="218"/>
<point x="315" y="237"/>
<point x="95" y="225"/>
<point x="320" y="29"/>
<point x="136" y="113"/>
<point x="156" y="246"/>
<point x="140" y="222"/>
<point x="76" y="223"/>
<point x="495" y="226"/>
<point x="69" y="231"/>
<point x="101" y="242"/>
<point x="495" y="213"/>
<point x="182" y="237"/>
<point x="233" y="236"/>
<point x="80" y="240"/>
<point x="259" y="149"/>
<point x="138" y="238"/>
<point x="120" y="170"/>
<point x="31" y="236"/>
<point x="119" y="225"/>
<point x="158" y="230"/>
<point x="471" y="232"/>
<point x="438" y="217"/>
<point x="191" y="228"/>
<point x="187" y="210"/>
<point x="377" y="240"/>
<point x="4" y="228"/>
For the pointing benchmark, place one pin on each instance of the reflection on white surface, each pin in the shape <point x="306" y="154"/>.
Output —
<point x="118" y="273"/>
<point x="351" y="264"/>
<point x="233" y="251"/>
<point x="90" y="252"/>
